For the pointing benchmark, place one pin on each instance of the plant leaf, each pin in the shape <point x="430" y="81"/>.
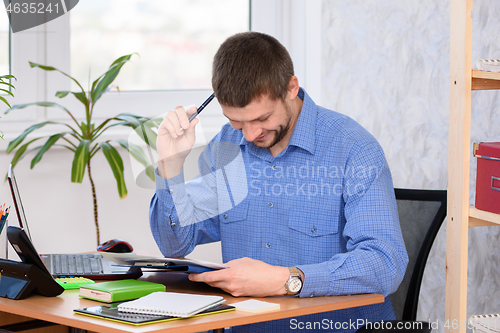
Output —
<point x="148" y="135"/>
<point x="48" y="144"/>
<point x="80" y="161"/>
<point x="19" y="155"/>
<point x="50" y="68"/>
<point x="5" y="101"/>
<point x="139" y="155"/>
<point x="45" y="68"/>
<point x="8" y="76"/>
<point x="14" y="143"/>
<point x="8" y="92"/>
<point x="62" y="94"/>
<point x="157" y="121"/>
<point x="130" y="120"/>
<point x="45" y="104"/>
<point x="141" y="126"/>
<point x="116" y="163"/>
<point x="107" y="78"/>
<point x="79" y="95"/>
<point x="10" y="85"/>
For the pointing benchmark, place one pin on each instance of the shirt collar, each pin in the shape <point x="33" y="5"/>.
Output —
<point x="304" y="133"/>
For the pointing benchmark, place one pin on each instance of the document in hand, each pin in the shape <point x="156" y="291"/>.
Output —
<point x="171" y="304"/>
<point x="166" y="264"/>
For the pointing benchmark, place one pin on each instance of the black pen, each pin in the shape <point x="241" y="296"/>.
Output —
<point x="202" y="106"/>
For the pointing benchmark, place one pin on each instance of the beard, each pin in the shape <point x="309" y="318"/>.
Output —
<point x="280" y="133"/>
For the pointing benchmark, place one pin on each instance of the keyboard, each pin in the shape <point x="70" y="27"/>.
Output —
<point x="76" y="264"/>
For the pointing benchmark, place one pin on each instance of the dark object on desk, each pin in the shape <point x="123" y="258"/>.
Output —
<point x="488" y="176"/>
<point x="421" y="214"/>
<point x="20" y="279"/>
<point x="110" y="312"/>
<point x="116" y="246"/>
<point x="146" y="263"/>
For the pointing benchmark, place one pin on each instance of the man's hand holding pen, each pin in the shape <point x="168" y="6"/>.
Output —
<point x="174" y="145"/>
<point x="176" y="137"/>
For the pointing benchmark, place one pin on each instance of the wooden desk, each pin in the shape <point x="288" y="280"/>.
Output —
<point x="60" y="309"/>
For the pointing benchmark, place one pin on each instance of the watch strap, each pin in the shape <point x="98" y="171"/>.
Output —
<point x="294" y="275"/>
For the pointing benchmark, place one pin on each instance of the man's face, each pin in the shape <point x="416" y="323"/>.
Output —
<point x="265" y="121"/>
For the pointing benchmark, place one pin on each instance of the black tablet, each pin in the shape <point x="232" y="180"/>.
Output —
<point x="110" y="312"/>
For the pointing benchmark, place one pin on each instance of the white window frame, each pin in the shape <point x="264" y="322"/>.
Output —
<point x="295" y="23"/>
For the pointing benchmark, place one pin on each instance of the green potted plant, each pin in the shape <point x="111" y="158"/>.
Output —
<point x="83" y="137"/>
<point x="3" y="80"/>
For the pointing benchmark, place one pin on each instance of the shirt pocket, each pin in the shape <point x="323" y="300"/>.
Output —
<point x="313" y="226"/>
<point x="237" y="213"/>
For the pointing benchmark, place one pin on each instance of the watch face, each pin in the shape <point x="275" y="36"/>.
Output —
<point x="295" y="285"/>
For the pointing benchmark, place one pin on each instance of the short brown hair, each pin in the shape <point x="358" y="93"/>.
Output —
<point x="249" y="65"/>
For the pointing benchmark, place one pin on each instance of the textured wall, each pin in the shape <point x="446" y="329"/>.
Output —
<point x="386" y="64"/>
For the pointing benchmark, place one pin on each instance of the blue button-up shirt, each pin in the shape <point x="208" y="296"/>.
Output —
<point x="325" y="204"/>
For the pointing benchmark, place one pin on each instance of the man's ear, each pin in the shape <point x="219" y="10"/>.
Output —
<point x="293" y="87"/>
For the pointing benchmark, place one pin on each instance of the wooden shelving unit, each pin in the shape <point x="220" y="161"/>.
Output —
<point x="481" y="218"/>
<point x="482" y="80"/>
<point x="461" y="215"/>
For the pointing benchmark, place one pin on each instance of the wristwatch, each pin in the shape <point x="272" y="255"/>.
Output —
<point x="294" y="283"/>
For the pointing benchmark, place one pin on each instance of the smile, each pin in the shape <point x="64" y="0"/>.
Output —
<point x="263" y="137"/>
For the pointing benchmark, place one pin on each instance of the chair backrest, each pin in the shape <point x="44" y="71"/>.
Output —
<point x="421" y="213"/>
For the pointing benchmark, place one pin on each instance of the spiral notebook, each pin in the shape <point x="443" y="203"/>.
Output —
<point x="487" y="323"/>
<point x="171" y="304"/>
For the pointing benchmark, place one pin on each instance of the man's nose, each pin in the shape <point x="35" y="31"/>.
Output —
<point x="250" y="131"/>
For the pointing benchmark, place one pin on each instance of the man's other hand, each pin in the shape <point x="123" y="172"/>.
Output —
<point x="247" y="277"/>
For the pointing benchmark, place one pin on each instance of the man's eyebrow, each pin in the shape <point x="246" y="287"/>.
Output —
<point x="260" y="118"/>
<point x="267" y="115"/>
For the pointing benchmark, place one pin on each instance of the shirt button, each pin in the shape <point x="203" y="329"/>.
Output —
<point x="268" y="245"/>
<point x="274" y="167"/>
<point x="313" y="229"/>
<point x="170" y="191"/>
<point x="225" y="216"/>
<point x="270" y="205"/>
<point x="173" y="224"/>
<point x="312" y="295"/>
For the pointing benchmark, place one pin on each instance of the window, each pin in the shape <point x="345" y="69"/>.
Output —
<point x="175" y="39"/>
<point x="4" y="43"/>
<point x="96" y="32"/>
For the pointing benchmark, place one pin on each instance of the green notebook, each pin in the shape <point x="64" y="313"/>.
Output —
<point x="120" y="290"/>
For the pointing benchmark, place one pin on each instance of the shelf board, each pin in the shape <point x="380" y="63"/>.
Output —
<point x="482" y="80"/>
<point x="482" y="218"/>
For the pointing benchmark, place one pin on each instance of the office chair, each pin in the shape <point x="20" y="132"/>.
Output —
<point x="421" y="213"/>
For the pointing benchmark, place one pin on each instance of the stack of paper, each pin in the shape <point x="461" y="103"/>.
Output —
<point x="253" y="305"/>
<point x="490" y="65"/>
<point x="489" y="323"/>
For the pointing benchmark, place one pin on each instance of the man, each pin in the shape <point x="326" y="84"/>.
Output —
<point x="304" y="207"/>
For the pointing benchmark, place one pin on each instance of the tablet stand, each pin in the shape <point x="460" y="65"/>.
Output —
<point x="18" y="280"/>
